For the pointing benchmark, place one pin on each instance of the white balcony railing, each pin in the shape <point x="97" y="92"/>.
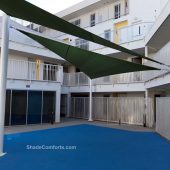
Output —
<point x="123" y="35"/>
<point x="26" y="70"/>
<point x="80" y="79"/>
<point x="134" y="32"/>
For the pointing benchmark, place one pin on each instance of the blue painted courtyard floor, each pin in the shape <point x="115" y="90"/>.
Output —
<point x="97" y="148"/>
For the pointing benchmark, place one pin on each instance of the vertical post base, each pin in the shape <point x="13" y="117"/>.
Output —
<point x="2" y="154"/>
<point x="90" y="102"/>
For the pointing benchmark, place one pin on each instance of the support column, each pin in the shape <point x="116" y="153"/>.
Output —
<point x="146" y="51"/>
<point x="60" y="74"/>
<point x="57" y="105"/>
<point x="146" y="108"/>
<point x="68" y="104"/>
<point x="90" y="102"/>
<point x="3" y="76"/>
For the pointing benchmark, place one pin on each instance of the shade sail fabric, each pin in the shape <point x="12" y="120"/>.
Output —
<point x="27" y="11"/>
<point x="93" y="64"/>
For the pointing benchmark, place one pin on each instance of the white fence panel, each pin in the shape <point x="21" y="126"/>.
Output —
<point x="163" y="116"/>
<point x="129" y="110"/>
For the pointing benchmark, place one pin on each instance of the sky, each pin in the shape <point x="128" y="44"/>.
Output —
<point x="54" y="6"/>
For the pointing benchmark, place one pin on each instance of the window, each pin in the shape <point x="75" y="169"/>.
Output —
<point x="83" y="44"/>
<point x="107" y="35"/>
<point x="126" y="7"/>
<point x="50" y="72"/>
<point x="117" y="11"/>
<point x="92" y="20"/>
<point x="77" y="22"/>
<point x="137" y="60"/>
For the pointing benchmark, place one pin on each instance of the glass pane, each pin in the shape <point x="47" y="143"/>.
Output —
<point x="7" y="107"/>
<point x="48" y="106"/>
<point x="34" y="107"/>
<point x="18" y="109"/>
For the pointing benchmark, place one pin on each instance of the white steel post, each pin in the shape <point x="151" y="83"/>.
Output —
<point x="146" y="93"/>
<point x="68" y="104"/>
<point x="146" y="52"/>
<point x="90" y="102"/>
<point x="57" y="105"/>
<point x="146" y="107"/>
<point x="3" y="76"/>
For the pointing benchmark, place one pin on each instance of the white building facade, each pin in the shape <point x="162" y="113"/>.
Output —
<point x="36" y="74"/>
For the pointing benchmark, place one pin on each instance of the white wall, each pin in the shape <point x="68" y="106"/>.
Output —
<point x="163" y="117"/>
<point x="145" y="10"/>
<point x="139" y="11"/>
<point x="163" y="55"/>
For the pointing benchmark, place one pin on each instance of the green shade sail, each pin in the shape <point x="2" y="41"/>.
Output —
<point x="27" y="11"/>
<point x="93" y="64"/>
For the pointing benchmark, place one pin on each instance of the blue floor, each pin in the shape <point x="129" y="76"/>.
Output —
<point x="98" y="148"/>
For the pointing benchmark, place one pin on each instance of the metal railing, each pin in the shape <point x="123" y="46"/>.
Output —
<point x="129" y="110"/>
<point x="26" y="70"/>
<point x="80" y="79"/>
<point x="134" y="32"/>
<point x="123" y="35"/>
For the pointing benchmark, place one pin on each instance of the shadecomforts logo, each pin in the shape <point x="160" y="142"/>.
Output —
<point x="50" y="147"/>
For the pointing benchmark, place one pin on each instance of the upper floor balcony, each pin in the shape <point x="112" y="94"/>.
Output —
<point x="33" y="71"/>
<point x="119" y="36"/>
<point x="80" y="79"/>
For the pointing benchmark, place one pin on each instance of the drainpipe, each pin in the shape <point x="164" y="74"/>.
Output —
<point x="90" y="102"/>
<point x="3" y="76"/>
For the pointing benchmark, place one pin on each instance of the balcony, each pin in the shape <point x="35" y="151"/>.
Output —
<point x="123" y="35"/>
<point x="80" y="79"/>
<point x="32" y="71"/>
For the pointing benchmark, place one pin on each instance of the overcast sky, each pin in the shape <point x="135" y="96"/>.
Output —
<point x="54" y="6"/>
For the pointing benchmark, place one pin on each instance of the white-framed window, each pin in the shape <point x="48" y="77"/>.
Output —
<point x="107" y="35"/>
<point x="83" y="44"/>
<point x="92" y="20"/>
<point x="77" y="22"/>
<point x="126" y="7"/>
<point x="117" y="13"/>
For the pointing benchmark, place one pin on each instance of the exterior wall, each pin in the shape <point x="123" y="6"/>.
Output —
<point x="163" y="117"/>
<point x="163" y="56"/>
<point x="23" y="44"/>
<point x="144" y="10"/>
<point x="17" y="57"/>
<point x="104" y="21"/>
<point x="124" y="34"/>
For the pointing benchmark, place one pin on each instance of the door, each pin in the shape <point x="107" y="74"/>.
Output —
<point x="48" y="106"/>
<point x="18" y="107"/>
<point x="63" y="105"/>
<point x="34" y="107"/>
